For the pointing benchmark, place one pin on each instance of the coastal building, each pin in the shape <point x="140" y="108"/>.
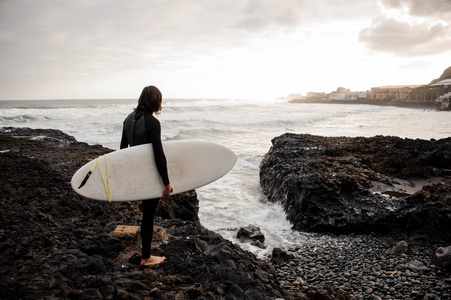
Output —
<point x="446" y="82"/>
<point x="354" y="96"/>
<point x="339" y="94"/>
<point x="336" y="96"/>
<point x="342" y="90"/>
<point x="392" y="92"/>
<point x="444" y="100"/>
<point x="345" y="94"/>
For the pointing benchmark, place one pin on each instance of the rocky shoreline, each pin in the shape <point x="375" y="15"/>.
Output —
<point x="342" y="185"/>
<point x="55" y="244"/>
<point x="361" y="189"/>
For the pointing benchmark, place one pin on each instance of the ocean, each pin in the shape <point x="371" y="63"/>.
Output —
<point x="246" y="127"/>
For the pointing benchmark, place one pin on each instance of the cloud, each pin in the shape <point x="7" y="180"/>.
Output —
<point x="65" y="43"/>
<point x="74" y="44"/>
<point x="410" y="28"/>
<point x="407" y="39"/>
<point x="89" y="36"/>
<point x="105" y="28"/>
<point x="257" y="16"/>
<point x="158" y="23"/>
<point x="440" y="9"/>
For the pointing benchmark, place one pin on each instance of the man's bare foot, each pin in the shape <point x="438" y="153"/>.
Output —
<point x="152" y="261"/>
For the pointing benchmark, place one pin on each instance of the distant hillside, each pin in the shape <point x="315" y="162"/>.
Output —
<point x="427" y="93"/>
<point x="446" y="75"/>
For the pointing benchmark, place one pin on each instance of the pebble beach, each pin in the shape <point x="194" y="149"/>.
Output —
<point x="360" y="265"/>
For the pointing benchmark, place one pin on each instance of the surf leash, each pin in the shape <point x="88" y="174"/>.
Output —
<point x="107" y="188"/>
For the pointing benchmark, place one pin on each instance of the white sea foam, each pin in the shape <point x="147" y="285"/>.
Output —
<point x="246" y="127"/>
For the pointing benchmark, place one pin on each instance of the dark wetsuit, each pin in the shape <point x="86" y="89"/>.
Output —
<point x="137" y="130"/>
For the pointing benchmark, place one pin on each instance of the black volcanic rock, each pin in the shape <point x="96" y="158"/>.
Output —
<point x="340" y="184"/>
<point x="56" y="244"/>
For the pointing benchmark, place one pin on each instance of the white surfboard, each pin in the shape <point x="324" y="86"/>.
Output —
<point x="131" y="174"/>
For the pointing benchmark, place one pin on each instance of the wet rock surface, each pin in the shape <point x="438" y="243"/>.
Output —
<point x="342" y="185"/>
<point x="55" y="244"/>
<point x="253" y="234"/>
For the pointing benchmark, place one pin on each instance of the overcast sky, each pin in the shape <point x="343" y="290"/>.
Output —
<point x="218" y="48"/>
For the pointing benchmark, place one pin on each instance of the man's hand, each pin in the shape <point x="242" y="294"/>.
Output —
<point x="167" y="190"/>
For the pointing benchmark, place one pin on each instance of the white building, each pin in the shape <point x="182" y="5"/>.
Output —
<point x="355" y="96"/>
<point x="337" y="96"/>
<point x="442" y="82"/>
<point x="345" y="94"/>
